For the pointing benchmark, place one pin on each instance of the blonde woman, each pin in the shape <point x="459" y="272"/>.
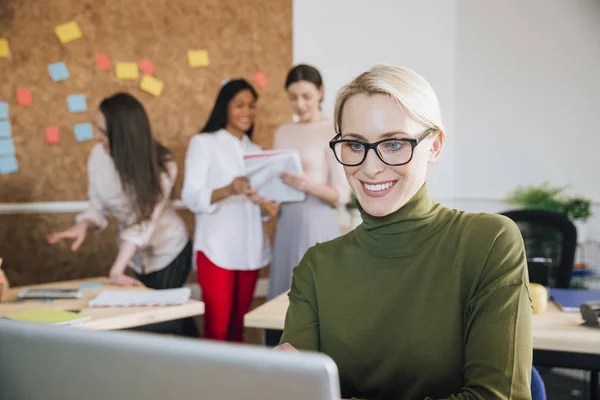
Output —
<point x="420" y="301"/>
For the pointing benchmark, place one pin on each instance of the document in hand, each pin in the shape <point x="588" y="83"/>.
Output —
<point x="264" y="169"/>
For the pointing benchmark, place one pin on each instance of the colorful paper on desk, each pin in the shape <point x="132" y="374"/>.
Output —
<point x="7" y="147"/>
<point x="141" y="298"/>
<point x="150" y="84"/>
<point x="49" y="317"/>
<point x="569" y="300"/>
<point x="103" y="62"/>
<point x="68" y="32"/>
<point x="76" y="103"/>
<point x="4" y="49"/>
<point x="198" y="58"/>
<point x="58" y="71"/>
<point x="3" y="110"/>
<point x="52" y="135"/>
<point x="261" y="79"/>
<point x="83" y="132"/>
<point x="24" y="97"/>
<point x="264" y="170"/>
<point x="5" y="130"/>
<point x="8" y="165"/>
<point x="146" y="67"/>
<point x="127" y="70"/>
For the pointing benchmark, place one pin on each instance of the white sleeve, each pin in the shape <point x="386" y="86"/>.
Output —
<point x="196" y="193"/>
<point x="95" y="211"/>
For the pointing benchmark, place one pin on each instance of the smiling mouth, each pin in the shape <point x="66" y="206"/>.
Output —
<point x="377" y="189"/>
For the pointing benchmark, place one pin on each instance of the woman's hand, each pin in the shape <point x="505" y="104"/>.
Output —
<point x="240" y="185"/>
<point x="269" y="208"/>
<point x="77" y="233"/>
<point x="298" y="182"/>
<point x="121" y="279"/>
<point x="285" y="347"/>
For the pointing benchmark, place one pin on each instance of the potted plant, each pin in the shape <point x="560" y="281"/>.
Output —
<point x="578" y="211"/>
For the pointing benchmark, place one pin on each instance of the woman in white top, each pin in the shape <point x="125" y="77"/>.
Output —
<point x="131" y="177"/>
<point x="229" y="241"/>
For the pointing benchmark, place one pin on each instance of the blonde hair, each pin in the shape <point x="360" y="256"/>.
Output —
<point x="412" y="92"/>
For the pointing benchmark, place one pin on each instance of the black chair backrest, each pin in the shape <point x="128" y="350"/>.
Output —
<point x="551" y="235"/>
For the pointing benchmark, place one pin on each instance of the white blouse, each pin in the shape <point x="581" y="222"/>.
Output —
<point x="229" y="232"/>
<point x="160" y="239"/>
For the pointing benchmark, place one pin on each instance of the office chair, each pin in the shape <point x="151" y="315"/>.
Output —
<point x="538" y="390"/>
<point x="550" y="235"/>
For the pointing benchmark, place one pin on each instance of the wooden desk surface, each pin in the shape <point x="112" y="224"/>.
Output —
<point x="109" y="318"/>
<point x="553" y="330"/>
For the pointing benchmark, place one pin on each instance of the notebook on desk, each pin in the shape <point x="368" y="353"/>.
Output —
<point x="569" y="300"/>
<point x="141" y="298"/>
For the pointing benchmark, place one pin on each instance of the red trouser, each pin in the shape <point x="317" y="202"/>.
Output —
<point x="227" y="296"/>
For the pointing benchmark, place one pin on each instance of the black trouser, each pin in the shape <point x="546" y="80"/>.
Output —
<point x="172" y="276"/>
<point x="272" y="337"/>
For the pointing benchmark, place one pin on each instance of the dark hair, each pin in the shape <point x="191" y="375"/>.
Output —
<point x="218" y="116"/>
<point x="138" y="158"/>
<point x="306" y="73"/>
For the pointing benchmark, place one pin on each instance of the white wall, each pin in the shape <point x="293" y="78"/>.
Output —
<point x="518" y="82"/>
<point x="345" y="38"/>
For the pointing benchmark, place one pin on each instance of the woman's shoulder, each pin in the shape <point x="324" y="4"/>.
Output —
<point x="487" y="225"/>
<point x="99" y="157"/>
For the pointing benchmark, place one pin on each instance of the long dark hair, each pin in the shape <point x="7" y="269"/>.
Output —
<point x="218" y="116"/>
<point x="138" y="158"/>
<point x="303" y="72"/>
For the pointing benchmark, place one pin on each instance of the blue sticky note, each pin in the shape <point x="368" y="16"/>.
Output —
<point x="8" y="165"/>
<point x="58" y="71"/>
<point x="7" y="147"/>
<point x="3" y="110"/>
<point x="83" y="132"/>
<point x="5" y="130"/>
<point x="77" y="103"/>
<point x="90" y="286"/>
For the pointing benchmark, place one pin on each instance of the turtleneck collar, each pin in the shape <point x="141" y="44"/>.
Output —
<point x="403" y="232"/>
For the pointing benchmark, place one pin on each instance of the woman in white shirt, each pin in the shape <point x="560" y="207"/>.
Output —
<point x="230" y="244"/>
<point x="131" y="177"/>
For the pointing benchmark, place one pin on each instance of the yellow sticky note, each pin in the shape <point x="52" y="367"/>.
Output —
<point x="150" y="84"/>
<point x="4" y="49"/>
<point x="198" y="58"/>
<point x="68" y="32"/>
<point x="127" y="70"/>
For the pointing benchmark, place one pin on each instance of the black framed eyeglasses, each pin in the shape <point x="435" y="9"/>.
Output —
<point x="393" y="152"/>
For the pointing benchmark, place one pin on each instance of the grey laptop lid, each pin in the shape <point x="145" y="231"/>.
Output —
<point x="66" y="363"/>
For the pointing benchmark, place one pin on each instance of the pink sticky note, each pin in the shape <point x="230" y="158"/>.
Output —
<point x="52" y="135"/>
<point x="24" y="97"/>
<point x="146" y="67"/>
<point x="261" y="79"/>
<point x="103" y="62"/>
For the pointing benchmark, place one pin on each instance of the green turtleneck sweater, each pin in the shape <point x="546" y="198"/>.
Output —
<point x="425" y="303"/>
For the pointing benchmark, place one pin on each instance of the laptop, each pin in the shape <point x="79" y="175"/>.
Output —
<point x="62" y="363"/>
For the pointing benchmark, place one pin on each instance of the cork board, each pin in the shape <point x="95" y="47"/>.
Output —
<point x="241" y="38"/>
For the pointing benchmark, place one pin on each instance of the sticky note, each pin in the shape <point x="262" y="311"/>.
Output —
<point x="146" y="67"/>
<point x="4" y="49"/>
<point x="52" y="135"/>
<point x="76" y="103"/>
<point x="127" y="70"/>
<point x="24" y="97"/>
<point x="58" y="71"/>
<point x="103" y="62"/>
<point x="8" y="165"/>
<point x="3" y="110"/>
<point x="7" y="147"/>
<point x="83" y="132"/>
<point x="90" y="286"/>
<point x="150" y="84"/>
<point x="68" y="32"/>
<point x="261" y="79"/>
<point x="198" y="58"/>
<point x="5" y="129"/>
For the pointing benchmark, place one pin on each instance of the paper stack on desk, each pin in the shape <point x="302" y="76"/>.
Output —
<point x="141" y="298"/>
<point x="264" y="169"/>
